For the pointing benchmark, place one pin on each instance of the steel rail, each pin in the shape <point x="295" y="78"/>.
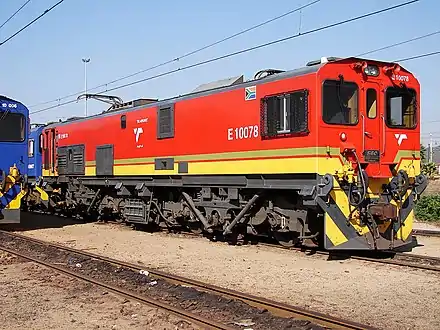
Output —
<point x="407" y="260"/>
<point x="181" y="313"/>
<point x="276" y="308"/>
<point x="426" y="232"/>
<point x="416" y="261"/>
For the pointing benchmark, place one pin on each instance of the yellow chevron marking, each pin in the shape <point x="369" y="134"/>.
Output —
<point x="333" y="232"/>
<point x="341" y="200"/>
<point x="406" y="229"/>
<point x="44" y="196"/>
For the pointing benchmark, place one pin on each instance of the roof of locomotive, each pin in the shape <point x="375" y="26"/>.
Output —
<point x="35" y="128"/>
<point x="310" y="68"/>
<point x="21" y="108"/>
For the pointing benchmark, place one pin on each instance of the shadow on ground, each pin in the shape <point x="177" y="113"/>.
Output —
<point x="33" y="221"/>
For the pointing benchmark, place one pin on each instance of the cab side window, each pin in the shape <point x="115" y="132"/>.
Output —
<point x="401" y="107"/>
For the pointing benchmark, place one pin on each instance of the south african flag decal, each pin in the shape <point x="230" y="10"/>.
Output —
<point x="250" y="93"/>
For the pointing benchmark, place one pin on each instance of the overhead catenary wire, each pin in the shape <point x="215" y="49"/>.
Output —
<point x="190" y="53"/>
<point x="400" y="43"/>
<point x="242" y="51"/>
<point x="415" y="57"/>
<point x="31" y="22"/>
<point x="15" y="13"/>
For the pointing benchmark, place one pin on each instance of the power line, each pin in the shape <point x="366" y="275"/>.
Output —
<point x="400" y="43"/>
<point x="31" y="22"/>
<point x="16" y="12"/>
<point x="198" y="50"/>
<point x="418" y="56"/>
<point x="245" y="50"/>
<point x="54" y="106"/>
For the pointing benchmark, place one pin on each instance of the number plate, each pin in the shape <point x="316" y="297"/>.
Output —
<point x="372" y="156"/>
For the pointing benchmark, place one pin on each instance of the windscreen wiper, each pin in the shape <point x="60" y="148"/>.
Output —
<point x="5" y="114"/>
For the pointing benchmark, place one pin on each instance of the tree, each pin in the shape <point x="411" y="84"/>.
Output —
<point x="423" y="153"/>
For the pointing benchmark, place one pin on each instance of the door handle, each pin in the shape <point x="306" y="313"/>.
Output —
<point x="383" y="135"/>
<point x="363" y="135"/>
<point x="368" y="134"/>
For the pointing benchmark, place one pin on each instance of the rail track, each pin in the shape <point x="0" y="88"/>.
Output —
<point x="405" y="259"/>
<point x="415" y="261"/>
<point x="275" y="309"/>
<point x="392" y="258"/>
<point x="426" y="232"/>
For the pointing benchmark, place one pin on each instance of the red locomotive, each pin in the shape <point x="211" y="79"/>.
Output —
<point x="328" y="153"/>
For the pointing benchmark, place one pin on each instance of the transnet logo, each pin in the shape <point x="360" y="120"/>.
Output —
<point x="400" y="138"/>
<point x="137" y="132"/>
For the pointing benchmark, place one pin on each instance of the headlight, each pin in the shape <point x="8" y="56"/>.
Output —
<point x="371" y="70"/>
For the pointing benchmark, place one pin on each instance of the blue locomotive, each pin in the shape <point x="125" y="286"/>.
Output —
<point x="35" y="166"/>
<point x="36" y="197"/>
<point x="14" y="131"/>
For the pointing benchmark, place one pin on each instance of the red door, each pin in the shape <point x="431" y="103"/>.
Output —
<point x="53" y="150"/>
<point x="371" y="121"/>
<point x="49" y="152"/>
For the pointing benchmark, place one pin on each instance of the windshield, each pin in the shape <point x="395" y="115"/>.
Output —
<point x="12" y="127"/>
<point x="340" y="102"/>
<point x="401" y="108"/>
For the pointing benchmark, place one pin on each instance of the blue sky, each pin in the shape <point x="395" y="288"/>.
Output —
<point x="122" y="37"/>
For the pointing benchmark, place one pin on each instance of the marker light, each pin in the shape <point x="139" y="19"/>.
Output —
<point x="343" y="137"/>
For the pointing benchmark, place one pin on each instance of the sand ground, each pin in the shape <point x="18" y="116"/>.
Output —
<point x="35" y="297"/>
<point x="388" y="297"/>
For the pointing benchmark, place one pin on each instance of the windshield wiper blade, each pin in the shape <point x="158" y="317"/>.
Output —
<point x="5" y="114"/>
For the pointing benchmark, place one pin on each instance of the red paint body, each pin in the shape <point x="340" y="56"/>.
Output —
<point x="202" y="122"/>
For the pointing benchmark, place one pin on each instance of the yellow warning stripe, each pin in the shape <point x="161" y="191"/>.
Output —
<point x="231" y="167"/>
<point x="287" y="152"/>
<point x="333" y="232"/>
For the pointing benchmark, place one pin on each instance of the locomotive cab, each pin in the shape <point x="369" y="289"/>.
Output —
<point x="14" y="121"/>
<point x="370" y="112"/>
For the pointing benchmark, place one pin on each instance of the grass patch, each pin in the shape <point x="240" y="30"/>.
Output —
<point x="427" y="209"/>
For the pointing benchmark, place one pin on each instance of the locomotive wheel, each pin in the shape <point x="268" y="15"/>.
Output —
<point x="120" y="209"/>
<point x="284" y="238"/>
<point x="195" y="227"/>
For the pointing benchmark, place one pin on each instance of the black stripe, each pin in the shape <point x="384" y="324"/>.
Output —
<point x="328" y="244"/>
<point x="338" y="217"/>
<point x="405" y="211"/>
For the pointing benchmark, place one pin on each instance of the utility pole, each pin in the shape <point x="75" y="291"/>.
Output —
<point x="430" y="148"/>
<point x="85" y="61"/>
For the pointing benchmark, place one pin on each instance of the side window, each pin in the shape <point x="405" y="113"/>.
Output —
<point x="371" y="103"/>
<point x="284" y="114"/>
<point x="165" y="121"/>
<point x="401" y="107"/>
<point x="340" y="102"/>
<point x="123" y="121"/>
<point x="31" y="148"/>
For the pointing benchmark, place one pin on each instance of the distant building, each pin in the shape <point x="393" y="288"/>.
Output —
<point x="435" y="155"/>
